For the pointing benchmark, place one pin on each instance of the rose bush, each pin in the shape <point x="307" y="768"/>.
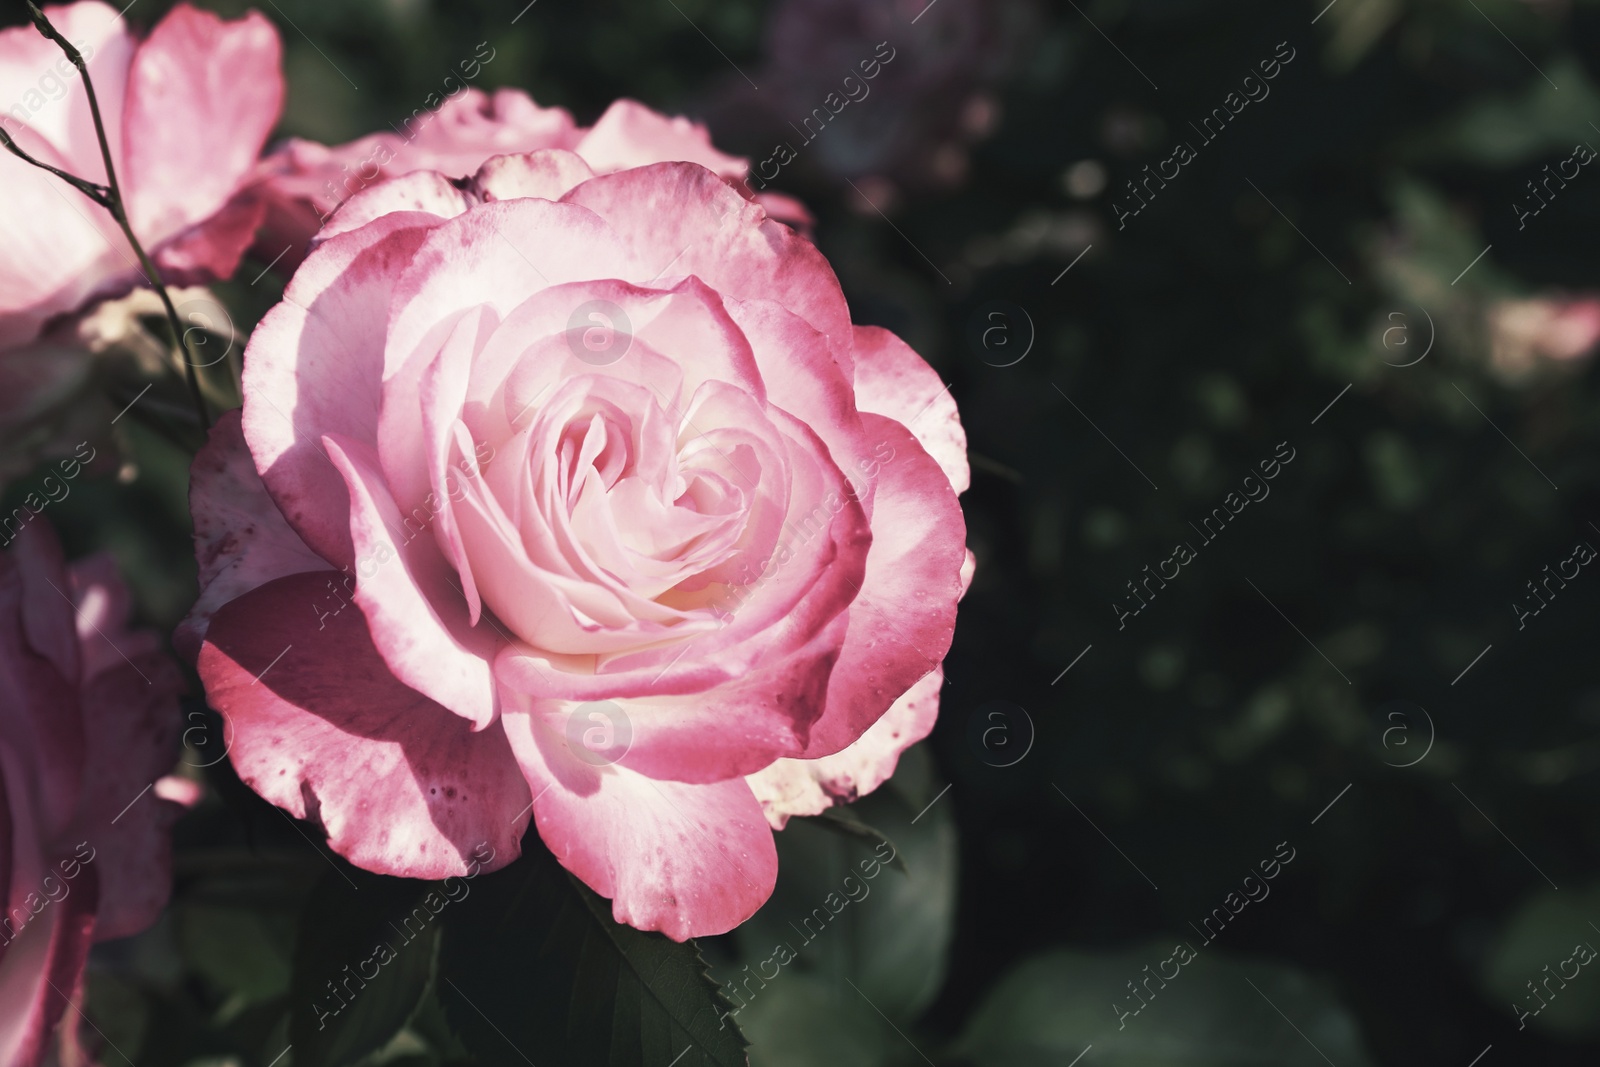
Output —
<point x="88" y="722"/>
<point x="303" y="182"/>
<point x="642" y="537"/>
<point x="186" y="110"/>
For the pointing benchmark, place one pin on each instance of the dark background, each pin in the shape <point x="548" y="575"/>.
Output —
<point x="1303" y="658"/>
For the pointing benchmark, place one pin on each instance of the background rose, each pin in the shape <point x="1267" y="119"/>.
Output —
<point x="88" y="721"/>
<point x="729" y="515"/>
<point x="303" y="182"/>
<point x="926" y="106"/>
<point x="1523" y="332"/>
<point x="186" y="112"/>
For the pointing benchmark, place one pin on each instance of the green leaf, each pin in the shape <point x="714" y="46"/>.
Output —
<point x="367" y="951"/>
<point x="535" y="970"/>
<point x="1501" y="129"/>
<point x="1543" y="933"/>
<point x="431" y="1024"/>
<point x="246" y="952"/>
<point x="844" y="916"/>
<point x="1219" y="1011"/>
<point x="844" y="819"/>
<point x="812" y="1023"/>
<point x="118" y="1009"/>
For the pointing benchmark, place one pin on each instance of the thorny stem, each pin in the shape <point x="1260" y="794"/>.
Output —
<point x="109" y="196"/>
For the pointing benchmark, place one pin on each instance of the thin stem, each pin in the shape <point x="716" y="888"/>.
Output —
<point x="173" y="322"/>
<point x="98" y="193"/>
<point x="114" y="203"/>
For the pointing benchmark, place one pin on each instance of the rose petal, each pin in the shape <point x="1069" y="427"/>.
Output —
<point x="42" y="969"/>
<point x="496" y="255"/>
<point x="807" y="583"/>
<point x="46" y="595"/>
<point x="893" y="380"/>
<point x="631" y="135"/>
<point x="736" y="728"/>
<point x="184" y="792"/>
<point x="678" y="219"/>
<point x="785" y="209"/>
<point x="792" y="787"/>
<point x="40" y="753"/>
<point x="424" y="191"/>
<point x="414" y="605"/>
<point x="26" y="56"/>
<point x="902" y="622"/>
<point x="471" y="127"/>
<point x="241" y="539"/>
<point x="214" y="247"/>
<point x="401" y="785"/>
<point x="202" y="96"/>
<point x="131" y="731"/>
<point x="688" y="860"/>
<point x="314" y="366"/>
<point x="545" y="174"/>
<point x="60" y="246"/>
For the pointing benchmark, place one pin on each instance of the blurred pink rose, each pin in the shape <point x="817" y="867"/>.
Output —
<point x="186" y="111"/>
<point x="89" y="722"/>
<point x="637" y="532"/>
<point x="1521" y="332"/>
<point x="889" y="94"/>
<point x="304" y="182"/>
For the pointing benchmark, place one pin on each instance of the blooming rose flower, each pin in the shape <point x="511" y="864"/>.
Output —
<point x="186" y="112"/>
<point x="303" y="182"/>
<point x="88" y="722"/>
<point x="575" y="496"/>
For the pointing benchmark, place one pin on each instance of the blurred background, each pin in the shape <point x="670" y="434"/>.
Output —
<point x="1373" y="274"/>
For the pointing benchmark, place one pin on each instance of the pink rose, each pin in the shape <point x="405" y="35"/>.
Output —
<point x="186" y="112"/>
<point x="304" y="182"/>
<point x="580" y="497"/>
<point x="89" y="722"/>
<point x="1522" y="332"/>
